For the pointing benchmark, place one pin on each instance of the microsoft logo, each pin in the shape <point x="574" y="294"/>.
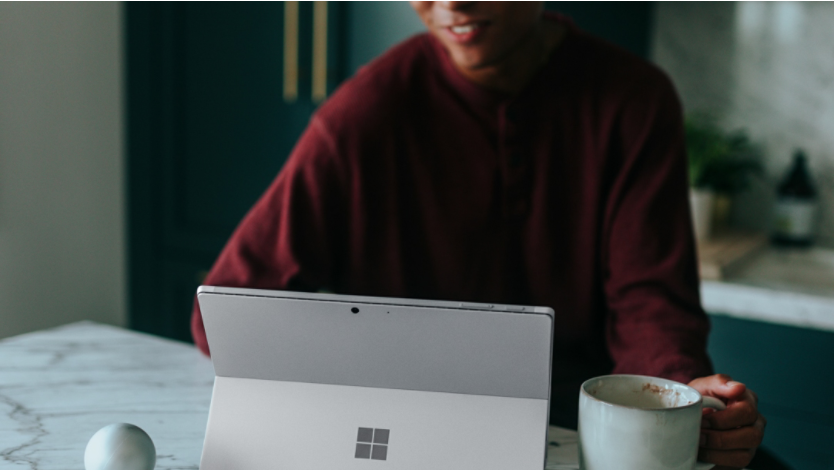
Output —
<point x="372" y="444"/>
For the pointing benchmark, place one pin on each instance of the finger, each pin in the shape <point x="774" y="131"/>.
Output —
<point x="729" y="458"/>
<point x="720" y="386"/>
<point x="737" y="414"/>
<point x="748" y="437"/>
<point x="748" y="395"/>
<point x="751" y="395"/>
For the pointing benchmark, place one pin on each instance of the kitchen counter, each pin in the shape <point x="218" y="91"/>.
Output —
<point x="788" y="287"/>
<point x="59" y="386"/>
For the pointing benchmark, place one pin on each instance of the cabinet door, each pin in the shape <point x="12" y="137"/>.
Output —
<point x="791" y="371"/>
<point x="218" y="94"/>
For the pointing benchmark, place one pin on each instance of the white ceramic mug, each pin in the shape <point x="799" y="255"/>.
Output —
<point x="634" y="422"/>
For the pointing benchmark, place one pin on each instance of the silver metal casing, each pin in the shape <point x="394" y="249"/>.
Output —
<point x="323" y="381"/>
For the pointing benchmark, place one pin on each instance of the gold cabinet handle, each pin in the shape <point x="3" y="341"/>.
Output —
<point x="290" y="51"/>
<point x="319" y="51"/>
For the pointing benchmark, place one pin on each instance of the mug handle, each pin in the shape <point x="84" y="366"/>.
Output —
<point x="710" y="402"/>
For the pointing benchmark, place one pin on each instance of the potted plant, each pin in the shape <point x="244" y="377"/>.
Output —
<point x="720" y="164"/>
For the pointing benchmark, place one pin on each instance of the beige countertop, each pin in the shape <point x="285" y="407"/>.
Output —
<point x="785" y="286"/>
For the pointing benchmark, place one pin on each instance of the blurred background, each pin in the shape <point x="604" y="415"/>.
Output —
<point x="134" y="137"/>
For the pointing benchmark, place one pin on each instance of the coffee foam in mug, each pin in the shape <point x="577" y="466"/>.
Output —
<point x="648" y="396"/>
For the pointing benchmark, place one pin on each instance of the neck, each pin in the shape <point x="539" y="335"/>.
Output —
<point x="513" y="72"/>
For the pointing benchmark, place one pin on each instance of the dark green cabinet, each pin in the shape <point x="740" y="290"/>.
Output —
<point x="792" y="371"/>
<point x="627" y="24"/>
<point x="209" y="127"/>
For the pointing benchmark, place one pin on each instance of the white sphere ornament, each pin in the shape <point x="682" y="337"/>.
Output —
<point x="120" y="446"/>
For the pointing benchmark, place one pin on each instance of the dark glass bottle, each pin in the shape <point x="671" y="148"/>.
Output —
<point x="795" y="213"/>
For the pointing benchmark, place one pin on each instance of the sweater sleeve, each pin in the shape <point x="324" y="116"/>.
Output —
<point x="291" y="238"/>
<point x="655" y="324"/>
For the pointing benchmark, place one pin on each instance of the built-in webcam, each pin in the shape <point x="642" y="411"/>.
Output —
<point x="354" y="310"/>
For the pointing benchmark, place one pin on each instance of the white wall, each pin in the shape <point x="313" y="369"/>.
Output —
<point x="62" y="254"/>
<point x="767" y="67"/>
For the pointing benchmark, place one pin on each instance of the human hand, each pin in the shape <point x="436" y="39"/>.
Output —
<point x="729" y="437"/>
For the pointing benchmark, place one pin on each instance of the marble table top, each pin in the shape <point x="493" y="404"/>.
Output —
<point x="59" y="386"/>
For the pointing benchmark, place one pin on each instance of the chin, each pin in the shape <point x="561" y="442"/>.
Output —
<point x="470" y="61"/>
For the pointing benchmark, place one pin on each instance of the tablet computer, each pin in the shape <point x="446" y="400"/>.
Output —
<point x="323" y="381"/>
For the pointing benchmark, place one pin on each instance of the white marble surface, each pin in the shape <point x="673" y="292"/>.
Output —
<point x="789" y="287"/>
<point x="59" y="386"/>
<point x="766" y="67"/>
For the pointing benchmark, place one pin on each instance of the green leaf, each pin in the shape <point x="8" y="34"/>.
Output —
<point x="719" y="160"/>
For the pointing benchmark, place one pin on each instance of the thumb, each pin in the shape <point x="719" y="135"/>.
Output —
<point x="719" y="386"/>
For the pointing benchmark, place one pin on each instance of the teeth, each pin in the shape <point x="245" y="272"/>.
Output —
<point x="463" y="29"/>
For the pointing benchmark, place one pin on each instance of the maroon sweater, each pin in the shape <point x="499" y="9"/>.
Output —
<point x="412" y="182"/>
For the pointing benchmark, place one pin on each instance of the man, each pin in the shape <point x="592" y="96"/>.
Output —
<point x="505" y="157"/>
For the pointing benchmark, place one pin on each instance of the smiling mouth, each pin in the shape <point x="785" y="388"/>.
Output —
<point x="465" y="33"/>
<point x="464" y="29"/>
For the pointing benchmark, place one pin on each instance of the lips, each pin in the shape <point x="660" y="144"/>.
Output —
<point x="465" y="33"/>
